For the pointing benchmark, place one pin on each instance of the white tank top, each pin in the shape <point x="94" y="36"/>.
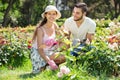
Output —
<point x="47" y="40"/>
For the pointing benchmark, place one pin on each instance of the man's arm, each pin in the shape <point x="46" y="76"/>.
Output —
<point x="66" y="32"/>
<point x="90" y="37"/>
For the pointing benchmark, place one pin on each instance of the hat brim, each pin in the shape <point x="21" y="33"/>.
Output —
<point x="58" y="13"/>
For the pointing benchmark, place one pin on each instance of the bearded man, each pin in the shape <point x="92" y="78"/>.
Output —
<point x="81" y="27"/>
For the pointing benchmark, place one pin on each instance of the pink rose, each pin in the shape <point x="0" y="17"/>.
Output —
<point x="64" y="70"/>
<point x="49" y="42"/>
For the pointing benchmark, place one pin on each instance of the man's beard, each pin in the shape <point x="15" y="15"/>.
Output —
<point x="79" y="18"/>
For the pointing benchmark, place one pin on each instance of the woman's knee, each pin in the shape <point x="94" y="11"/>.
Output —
<point x="60" y="59"/>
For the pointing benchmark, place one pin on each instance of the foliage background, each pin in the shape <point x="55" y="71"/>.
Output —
<point x="28" y="12"/>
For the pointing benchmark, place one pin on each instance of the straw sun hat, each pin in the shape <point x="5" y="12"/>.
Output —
<point x="51" y="8"/>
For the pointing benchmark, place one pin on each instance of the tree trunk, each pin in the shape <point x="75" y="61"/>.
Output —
<point x="5" y="18"/>
<point x="117" y="8"/>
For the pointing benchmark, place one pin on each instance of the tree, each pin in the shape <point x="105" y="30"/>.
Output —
<point x="116" y="4"/>
<point x="24" y="12"/>
<point x="6" y="14"/>
<point x="28" y="12"/>
<point x="96" y="8"/>
<point x="31" y="11"/>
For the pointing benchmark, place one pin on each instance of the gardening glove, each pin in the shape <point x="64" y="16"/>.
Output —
<point x="52" y="64"/>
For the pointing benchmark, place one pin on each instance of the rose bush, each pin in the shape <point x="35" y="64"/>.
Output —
<point x="15" y="46"/>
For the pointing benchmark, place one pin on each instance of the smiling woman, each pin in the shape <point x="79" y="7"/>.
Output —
<point x="44" y="42"/>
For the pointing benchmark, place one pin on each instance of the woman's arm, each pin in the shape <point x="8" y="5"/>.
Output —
<point x="41" y="52"/>
<point x="41" y="45"/>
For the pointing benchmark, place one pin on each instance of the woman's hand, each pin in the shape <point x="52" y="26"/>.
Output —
<point x="52" y="64"/>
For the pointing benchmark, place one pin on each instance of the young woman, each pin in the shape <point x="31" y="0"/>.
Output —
<point x="42" y="52"/>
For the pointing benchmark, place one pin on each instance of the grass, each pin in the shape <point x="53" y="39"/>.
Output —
<point x="24" y="73"/>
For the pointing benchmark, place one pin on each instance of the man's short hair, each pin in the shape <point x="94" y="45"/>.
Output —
<point x="82" y="6"/>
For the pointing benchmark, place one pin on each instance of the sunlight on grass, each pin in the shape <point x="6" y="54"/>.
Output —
<point x="23" y="73"/>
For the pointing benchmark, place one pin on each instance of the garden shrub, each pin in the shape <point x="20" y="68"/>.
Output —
<point x="14" y="49"/>
<point x="13" y="54"/>
<point x="101" y="60"/>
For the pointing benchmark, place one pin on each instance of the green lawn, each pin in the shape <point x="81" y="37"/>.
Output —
<point x="23" y="73"/>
